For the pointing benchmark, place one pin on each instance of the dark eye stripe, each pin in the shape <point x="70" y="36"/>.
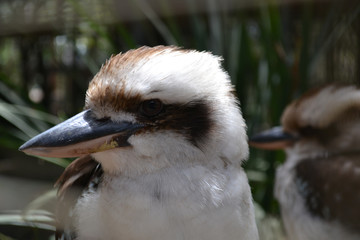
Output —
<point x="192" y="120"/>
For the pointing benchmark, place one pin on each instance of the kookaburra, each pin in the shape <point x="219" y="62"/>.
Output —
<point x="161" y="142"/>
<point x="318" y="187"/>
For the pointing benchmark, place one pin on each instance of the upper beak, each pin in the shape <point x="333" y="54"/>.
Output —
<point x="272" y="139"/>
<point x="80" y="135"/>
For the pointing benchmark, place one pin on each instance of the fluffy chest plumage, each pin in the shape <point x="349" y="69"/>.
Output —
<point x="197" y="204"/>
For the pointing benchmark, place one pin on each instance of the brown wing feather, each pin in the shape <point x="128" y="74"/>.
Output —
<point x="331" y="188"/>
<point x="76" y="179"/>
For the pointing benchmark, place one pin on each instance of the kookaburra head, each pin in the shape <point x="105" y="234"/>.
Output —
<point x="161" y="121"/>
<point x="317" y="186"/>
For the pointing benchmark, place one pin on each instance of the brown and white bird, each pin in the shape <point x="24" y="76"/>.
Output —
<point x="161" y="142"/>
<point x="318" y="187"/>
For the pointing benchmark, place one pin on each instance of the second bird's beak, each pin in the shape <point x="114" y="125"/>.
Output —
<point x="272" y="139"/>
<point x="80" y="135"/>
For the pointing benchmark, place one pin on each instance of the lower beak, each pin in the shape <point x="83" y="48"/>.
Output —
<point x="80" y="135"/>
<point x="272" y="139"/>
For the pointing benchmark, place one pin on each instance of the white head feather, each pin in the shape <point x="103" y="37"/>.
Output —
<point x="174" y="76"/>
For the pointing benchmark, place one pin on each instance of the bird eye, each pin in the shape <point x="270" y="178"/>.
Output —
<point x="151" y="108"/>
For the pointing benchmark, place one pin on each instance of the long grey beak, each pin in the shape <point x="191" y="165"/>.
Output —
<point x="80" y="135"/>
<point x="272" y="139"/>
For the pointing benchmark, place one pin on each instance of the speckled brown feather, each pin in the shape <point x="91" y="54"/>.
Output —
<point x="330" y="187"/>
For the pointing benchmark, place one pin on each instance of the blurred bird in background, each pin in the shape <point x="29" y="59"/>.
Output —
<point x="318" y="187"/>
<point x="161" y="142"/>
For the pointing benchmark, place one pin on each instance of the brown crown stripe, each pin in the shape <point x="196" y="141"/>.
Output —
<point x="116" y="96"/>
<point x="132" y="57"/>
<point x="290" y="118"/>
<point x="330" y="189"/>
<point x="115" y="99"/>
